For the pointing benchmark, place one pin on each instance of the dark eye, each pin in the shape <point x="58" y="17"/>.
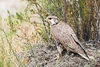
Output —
<point x="50" y="18"/>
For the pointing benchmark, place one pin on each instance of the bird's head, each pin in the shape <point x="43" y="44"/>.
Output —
<point x="52" y="20"/>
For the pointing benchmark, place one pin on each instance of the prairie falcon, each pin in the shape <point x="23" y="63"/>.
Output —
<point x="64" y="34"/>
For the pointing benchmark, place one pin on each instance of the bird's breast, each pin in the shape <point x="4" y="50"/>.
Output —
<point x="56" y="32"/>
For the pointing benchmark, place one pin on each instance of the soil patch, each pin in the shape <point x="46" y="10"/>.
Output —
<point x="45" y="54"/>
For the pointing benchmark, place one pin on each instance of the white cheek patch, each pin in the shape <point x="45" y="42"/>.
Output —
<point x="52" y="22"/>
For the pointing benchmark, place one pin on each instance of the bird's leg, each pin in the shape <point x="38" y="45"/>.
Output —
<point x="59" y="48"/>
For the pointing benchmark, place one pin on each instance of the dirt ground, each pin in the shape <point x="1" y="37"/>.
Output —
<point x="44" y="56"/>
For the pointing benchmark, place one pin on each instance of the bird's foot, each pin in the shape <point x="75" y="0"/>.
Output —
<point x="58" y="56"/>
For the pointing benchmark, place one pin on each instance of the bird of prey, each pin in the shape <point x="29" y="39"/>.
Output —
<point x="64" y="34"/>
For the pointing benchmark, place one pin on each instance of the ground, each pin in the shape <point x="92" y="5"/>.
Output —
<point x="44" y="57"/>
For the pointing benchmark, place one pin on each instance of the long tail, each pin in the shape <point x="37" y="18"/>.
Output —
<point x="83" y="50"/>
<point x="90" y="57"/>
<point x="86" y="57"/>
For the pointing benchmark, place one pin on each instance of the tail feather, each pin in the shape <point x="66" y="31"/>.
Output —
<point x="80" y="45"/>
<point x="87" y="58"/>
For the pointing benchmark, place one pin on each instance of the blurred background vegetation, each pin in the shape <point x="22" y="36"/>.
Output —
<point x="21" y="31"/>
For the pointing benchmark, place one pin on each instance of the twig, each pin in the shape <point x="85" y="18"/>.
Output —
<point x="11" y="47"/>
<point x="43" y="22"/>
<point x="75" y="20"/>
<point x="54" y="3"/>
<point x="64" y="11"/>
<point x="89" y="21"/>
<point x="33" y="55"/>
<point x="59" y="8"/>
<point x="79" y="16"/>
<point x="97" y="23"/>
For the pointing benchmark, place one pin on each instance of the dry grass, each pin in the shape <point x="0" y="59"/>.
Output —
<point x="14" y="44"/>
<point x="19" y="33"/>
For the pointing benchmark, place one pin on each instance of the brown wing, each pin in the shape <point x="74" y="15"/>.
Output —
<point x="64" y="34"/>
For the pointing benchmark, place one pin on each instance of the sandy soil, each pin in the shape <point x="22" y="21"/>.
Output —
<point x="45" y="54"/>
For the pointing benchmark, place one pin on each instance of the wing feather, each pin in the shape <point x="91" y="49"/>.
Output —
<point x="64" y="34"/>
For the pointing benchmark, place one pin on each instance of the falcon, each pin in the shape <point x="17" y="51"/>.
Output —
<point x="64" y="36"/>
